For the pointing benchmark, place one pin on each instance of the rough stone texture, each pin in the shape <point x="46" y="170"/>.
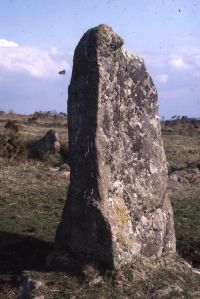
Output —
<point x="27" y="287"/>
<point x="41" y="148"/>
<point x="117" y="205"/>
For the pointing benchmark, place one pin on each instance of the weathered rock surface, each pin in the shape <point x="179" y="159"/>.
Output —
<point x="27" y="287"/>
<point x="41" y="148"/>
<point x="117" y="204"/>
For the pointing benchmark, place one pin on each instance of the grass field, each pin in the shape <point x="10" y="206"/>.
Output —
<point x="32" y="196"/>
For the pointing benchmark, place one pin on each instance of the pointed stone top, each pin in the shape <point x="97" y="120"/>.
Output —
<point x="107" y="37"/>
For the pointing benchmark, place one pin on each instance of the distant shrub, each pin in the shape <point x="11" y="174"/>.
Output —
<point x="49" y="113"/>
<point x="10" y="125"/>
<point x="32" y="119"/>
<point x="62" y="114"/>
<point x="45" y="114"/>
<point x="2" y="112"/>
<point x="11" y="143"/>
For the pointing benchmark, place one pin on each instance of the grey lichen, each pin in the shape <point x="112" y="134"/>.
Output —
<point x="117" y="205"/>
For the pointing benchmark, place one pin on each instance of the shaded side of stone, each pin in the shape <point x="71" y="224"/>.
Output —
<point x="84" y="232"/>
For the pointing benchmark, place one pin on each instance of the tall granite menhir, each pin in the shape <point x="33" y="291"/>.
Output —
<point x="117" y="205"/>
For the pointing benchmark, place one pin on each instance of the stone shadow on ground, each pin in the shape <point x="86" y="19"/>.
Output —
<point x="21" y="252"/>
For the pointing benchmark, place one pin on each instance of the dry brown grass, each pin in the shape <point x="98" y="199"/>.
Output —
<point x="31" y="201"/>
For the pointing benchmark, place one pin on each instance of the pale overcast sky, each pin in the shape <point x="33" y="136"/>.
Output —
<point x="38" y="37"/>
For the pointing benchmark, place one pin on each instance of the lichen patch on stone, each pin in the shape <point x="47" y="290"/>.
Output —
<point x="117" y="204"/>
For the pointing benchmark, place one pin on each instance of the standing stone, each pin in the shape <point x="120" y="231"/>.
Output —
<point x="117" y="205"/>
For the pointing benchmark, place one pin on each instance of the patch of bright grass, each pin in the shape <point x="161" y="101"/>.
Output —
<point x="187" y="227"/>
